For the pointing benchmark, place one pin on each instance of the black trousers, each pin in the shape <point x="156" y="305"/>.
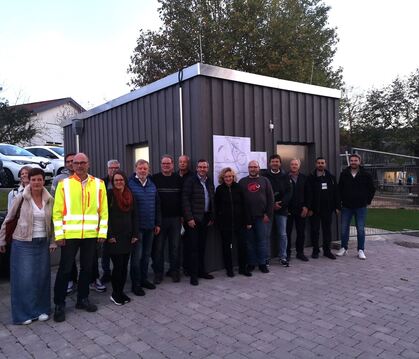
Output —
<point x="325" y="220"/>
<point x="228" y="236"/>
<point x="87" y="248"/>
<point x="195" y="241"/>
<point x="300" y="226"/>
<point x="119" y="273"/>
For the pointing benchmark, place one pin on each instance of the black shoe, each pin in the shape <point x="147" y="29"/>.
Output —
<point x="315" y="254"/>
<point x="125" y="298"/>
<point x="158" y="278"/>
<point x="86" y="305"/>
<point x="329" y="255"/>
<point x="250" y="267"/>
<point x="284" y="262"/>
<point x="302" y="257"/>
<point x="263" y="268"/>
<point x="175" y="277"/>
<point x="230" y="273"/>
<point x="245" y="272"/>
<point x="138" y="291"/>
<point x="206" y="276"/>
<point x="106" y="278"/>
<point x="194" y="281"/>
<point x="148" y="285"/>
<point x="59" y="313"/>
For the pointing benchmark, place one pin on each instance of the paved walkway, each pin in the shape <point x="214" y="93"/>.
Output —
<point x="333" y="309"/>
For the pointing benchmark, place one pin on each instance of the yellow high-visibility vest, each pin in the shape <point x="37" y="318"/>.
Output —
<point x="80" y="212"/>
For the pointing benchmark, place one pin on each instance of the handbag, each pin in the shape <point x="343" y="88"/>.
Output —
<point x="11" y="224"/>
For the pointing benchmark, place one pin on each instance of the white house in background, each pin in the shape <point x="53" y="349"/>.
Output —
<point x="48" y="116"/>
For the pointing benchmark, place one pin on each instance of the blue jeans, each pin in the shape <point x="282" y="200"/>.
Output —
<point x="30" y="279"/>
<point x="140" y="257"/>
<point x="281" y="229"/>
<point x="257" y="247"/>
<point x="360" y="216"/>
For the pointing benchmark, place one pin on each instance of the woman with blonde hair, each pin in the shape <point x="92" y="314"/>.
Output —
<point x="231" y="217"/>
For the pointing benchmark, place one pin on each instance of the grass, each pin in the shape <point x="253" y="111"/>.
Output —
<point x="393" y="219"/>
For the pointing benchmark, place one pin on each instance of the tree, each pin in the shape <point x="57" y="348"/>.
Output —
<point x="288" y="39"/>
<point x="15" y="124"/>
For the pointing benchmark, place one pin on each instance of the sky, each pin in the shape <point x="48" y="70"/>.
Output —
<point x="81" y="49"/>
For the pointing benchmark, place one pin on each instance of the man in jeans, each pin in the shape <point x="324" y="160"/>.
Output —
<point x="357" y="190"/>
<point x="259" y="200"/>
<point x="282" y="189"/>
<point x="169" y="186"/>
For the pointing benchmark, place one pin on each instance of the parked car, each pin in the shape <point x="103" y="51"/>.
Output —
<point x="14" y="158"/>
<point x="54" y="153"/>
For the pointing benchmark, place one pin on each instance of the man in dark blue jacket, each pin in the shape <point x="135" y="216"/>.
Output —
<point x="149" y="219"/>
<point x="356" y="191"/>
<point x="322" y="200"/>
<point x="198" y="207"/>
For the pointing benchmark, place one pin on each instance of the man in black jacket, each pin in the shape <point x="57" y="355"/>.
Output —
<point x="282" y="188"/>
<point x="322" y="200"/>
<point x="357" y="190"/>
<point x="297" y="210"/>
<point x="197" y="206"/>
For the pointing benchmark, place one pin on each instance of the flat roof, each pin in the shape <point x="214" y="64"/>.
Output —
<point x="199" y="69"/>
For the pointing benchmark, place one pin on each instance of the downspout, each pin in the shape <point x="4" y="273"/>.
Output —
<point x="180" y="80"/>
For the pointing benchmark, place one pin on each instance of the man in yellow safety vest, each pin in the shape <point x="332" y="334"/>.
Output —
<point x="80" y="218"/>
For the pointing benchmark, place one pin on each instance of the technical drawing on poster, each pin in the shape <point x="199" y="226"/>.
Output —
<point x="234" y="152"/>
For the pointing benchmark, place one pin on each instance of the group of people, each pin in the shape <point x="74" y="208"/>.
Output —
<point x="129" y="220"/>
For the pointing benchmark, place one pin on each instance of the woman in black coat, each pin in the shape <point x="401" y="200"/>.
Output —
<point x="231" y="218"/>
<point x="122" y="234"/>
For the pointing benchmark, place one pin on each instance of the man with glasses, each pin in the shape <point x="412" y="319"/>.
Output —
<point x="80" y="218"/>
<point x="198" y="207"/>
<point x="169" y="186"/>
<point x="113" y="166"/>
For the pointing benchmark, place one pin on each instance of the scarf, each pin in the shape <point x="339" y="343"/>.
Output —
<point x="123" y="199"/>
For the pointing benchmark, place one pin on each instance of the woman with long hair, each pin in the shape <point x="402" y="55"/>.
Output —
<point x="122" y="234"/>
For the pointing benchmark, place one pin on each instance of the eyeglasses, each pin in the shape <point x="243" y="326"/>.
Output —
<point x="69" y="161"/>
<point x="166" y="163"/>
<point x="81" y="163"/>
<point x="113" y="168"/>
<point x="119" y="180"/>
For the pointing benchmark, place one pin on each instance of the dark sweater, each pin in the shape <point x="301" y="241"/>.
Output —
<point x="322" y="193"/>
<point x="358" y="191"/>
<point x="231" y="211"/>
<point x="169" y="189"/>
<point x="123" y="226"/>
<point x="282" y="189"/>
<point x="258" y="196"/>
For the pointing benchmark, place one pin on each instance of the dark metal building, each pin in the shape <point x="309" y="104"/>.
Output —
<point x="181" y="112"/>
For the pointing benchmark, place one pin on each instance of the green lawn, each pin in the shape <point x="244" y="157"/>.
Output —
<point x="393" y="219"/>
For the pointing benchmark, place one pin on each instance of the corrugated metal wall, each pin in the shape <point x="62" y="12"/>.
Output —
<point x="210" y="107"/>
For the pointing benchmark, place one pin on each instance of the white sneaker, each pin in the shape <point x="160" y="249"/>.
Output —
<point x="361" y="254"/>
<point x="43" y="317"/>
<point x="27" y="322"/>
<point x="341" y="252"/>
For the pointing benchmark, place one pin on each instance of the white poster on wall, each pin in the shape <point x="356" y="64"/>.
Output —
<point x="234" y="152"/>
